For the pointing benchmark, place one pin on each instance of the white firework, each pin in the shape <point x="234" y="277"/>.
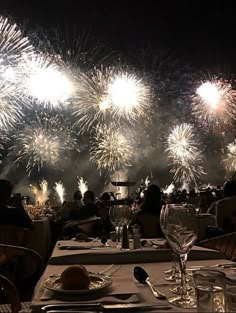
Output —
<point x="82" y="185"/>
<point x="110" y="94"/>
<point x="44" y="142"/>
<point x="45" y="81"/>
<point x="214" y="103"/>
<point x="60" y="189"/>
<point x="230" y="157"/>
<point x="184" y="154"/>
<point x="111" y="149"/>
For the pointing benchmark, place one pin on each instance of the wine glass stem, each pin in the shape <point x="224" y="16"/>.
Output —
<point x="182" y="261"/>
<point x="117" y="235"/>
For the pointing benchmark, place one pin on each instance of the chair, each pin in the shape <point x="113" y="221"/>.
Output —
<point x="9" y="297"/>
<point x="149" y="224"/>
<point x="225" y="244"/>
<point x="22" y="266"/>
<point x="14" y="235"/>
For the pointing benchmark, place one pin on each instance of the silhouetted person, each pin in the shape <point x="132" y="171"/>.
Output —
<point x="149" y="215"/>
<point x="11" y="215"/>
<point x="90" y="208"/>
<point x="225" y="209"/>
<point x="71" y="210"/>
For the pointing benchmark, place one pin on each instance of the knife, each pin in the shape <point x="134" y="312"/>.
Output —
<point x="64" y="307"/>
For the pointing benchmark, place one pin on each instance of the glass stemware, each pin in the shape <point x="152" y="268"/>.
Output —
<point x="179" y="225"/>
<point x="119" y="215"/>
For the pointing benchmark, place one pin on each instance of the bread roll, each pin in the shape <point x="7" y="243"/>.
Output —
<point x="75" y="277"/>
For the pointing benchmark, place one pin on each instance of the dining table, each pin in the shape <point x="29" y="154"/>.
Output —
<point x="124" y="288"/>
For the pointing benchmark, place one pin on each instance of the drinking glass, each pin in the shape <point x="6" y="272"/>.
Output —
<point x="179" y="226"/>
<point x="119" y="215"/>
<point x="210" y="290"/>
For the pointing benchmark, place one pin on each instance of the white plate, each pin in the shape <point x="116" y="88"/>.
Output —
<point x="98" y="282"/>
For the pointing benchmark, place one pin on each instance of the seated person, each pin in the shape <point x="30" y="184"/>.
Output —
<point x="149" y="215"/>
<point x="71" y="210"/>
<point x="11" y="215"/>
<point x="225" y="209"/>
<point x="90" y="208"/>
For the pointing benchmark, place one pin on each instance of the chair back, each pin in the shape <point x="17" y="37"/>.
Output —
<point x="14" y="235"/>
<point x="225" y="244"/>
<point x="9" y="295"/>
<point x="150" y="225"/>
<point x="21" y="265"/>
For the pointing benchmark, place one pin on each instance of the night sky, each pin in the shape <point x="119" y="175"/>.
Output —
<point x="200" y="31"/>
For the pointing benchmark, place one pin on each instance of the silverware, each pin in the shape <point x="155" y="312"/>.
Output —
<point x="222" y="265"/>
<point x="65" y="307"/>
<point x="142" y="276"/>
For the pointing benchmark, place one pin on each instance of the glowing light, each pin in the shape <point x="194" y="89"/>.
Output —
<point x="110" y="94"/>
<point x="129" y="95"/>
<point x="60" y="189"/>
<point x="44" y="81"/>
<point x="12" y="42"/>
<point x="44" y="141"/>
<point x="169" y="189"/>
<point x="214" y="103"/>
<point x="147" y="181"/>
<point x="230" y="157"/>
<point x="110" y="150"/>
<point x="184" y="153"/>
<point x="82" y="185"/>
<point x="3" y="139"/>
<point x="92" y="106"/>
<point x="41" y="195"/>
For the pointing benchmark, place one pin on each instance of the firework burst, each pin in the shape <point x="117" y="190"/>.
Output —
<point x="230" y="158"/>
<point x="3" y="139"/>
<point x="92" y="104"/>
<point x="12" y="42"/>
<point x="110" y="150"/>
<point x="184" y="154"/>
<point x="129" y="95"/>
<point x="214" y="103"/>
<point x="41" y="195"/>
<point x="44" y="81"/>
<point x="108" y="95"/>
<point x="44" y="141"/>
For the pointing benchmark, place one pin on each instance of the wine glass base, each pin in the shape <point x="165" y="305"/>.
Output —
<point x="189" y="303"/>
<point x="178" y="289"/>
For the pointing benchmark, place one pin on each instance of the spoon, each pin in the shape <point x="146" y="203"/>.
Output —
<point x="142" y="276"/>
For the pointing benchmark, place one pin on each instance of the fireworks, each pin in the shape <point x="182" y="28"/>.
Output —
<point x="92" y="103"/>
<point x="215" y="103"/>
<point x="110" y="94"/>
<point x="184" y="154"/>
<point x="60" y="189"/>
<point x="43" y="142"/>
<point x="3" y="140"/>
<point x="169" y="189"/>
<point x="129" y="95"/>
<point x="44" y="81"/>
<point x="82" y="185"/>
<point x="12" y="47"/>
<point x="110" y="150"/>
<point x="41" y="195"/>
<point x="230" y="159"/>
<point x="12" y="43"/>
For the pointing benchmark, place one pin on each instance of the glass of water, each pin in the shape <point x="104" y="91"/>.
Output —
<point x="210" y="290"/>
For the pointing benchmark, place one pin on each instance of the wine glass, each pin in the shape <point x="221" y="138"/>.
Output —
<point x="119" y="215"/>
<point x="179" y="226"/>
